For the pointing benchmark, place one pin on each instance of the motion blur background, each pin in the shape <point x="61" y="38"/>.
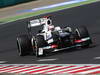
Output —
<point x="5" y="3"/>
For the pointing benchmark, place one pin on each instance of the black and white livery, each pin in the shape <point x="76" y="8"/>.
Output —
<point x="51" y="38"/>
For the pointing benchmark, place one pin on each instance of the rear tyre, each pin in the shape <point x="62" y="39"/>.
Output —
<point x="24" y="45"/>
<point x="39" y="43"/>
<point x="82" y="32"/>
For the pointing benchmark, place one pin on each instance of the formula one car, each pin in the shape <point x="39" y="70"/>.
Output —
<point x="51" y="38"/>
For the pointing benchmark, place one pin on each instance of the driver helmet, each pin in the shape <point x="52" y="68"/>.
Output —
<point x="50" y="26"/>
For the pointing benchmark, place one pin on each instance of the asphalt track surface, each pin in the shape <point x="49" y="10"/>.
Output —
<point x="88" y="15"/>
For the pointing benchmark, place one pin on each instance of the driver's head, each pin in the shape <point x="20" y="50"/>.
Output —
<point x="49" y="22"/>
<point x="50" y="26"/>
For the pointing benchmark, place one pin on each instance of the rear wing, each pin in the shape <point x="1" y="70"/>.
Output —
<point x="37" y="22"/>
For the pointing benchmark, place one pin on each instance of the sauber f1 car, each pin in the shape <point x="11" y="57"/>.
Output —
<point x="51" y="38"/>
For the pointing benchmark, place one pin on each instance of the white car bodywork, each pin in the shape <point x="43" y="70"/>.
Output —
<point x="47" y="27"/>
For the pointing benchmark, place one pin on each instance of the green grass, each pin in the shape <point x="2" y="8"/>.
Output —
<point x="26" y="15"/>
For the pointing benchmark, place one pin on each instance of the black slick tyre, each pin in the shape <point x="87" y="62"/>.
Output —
<point x="39" y="43"/>
<point x="23" y="44"/>
<point x="82" y="32"/>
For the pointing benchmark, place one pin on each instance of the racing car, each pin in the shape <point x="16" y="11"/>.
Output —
<point x="51" y="38"/>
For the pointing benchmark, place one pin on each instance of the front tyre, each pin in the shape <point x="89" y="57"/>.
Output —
<point x="82" y="33"/>
<point x="24" y="45"/>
